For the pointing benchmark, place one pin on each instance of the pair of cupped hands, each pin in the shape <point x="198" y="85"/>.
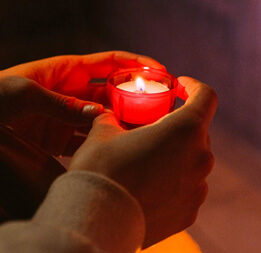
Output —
<point x="163" y="165"/>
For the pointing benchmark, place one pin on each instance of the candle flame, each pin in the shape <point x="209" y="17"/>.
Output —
<point x="140" y="84"/>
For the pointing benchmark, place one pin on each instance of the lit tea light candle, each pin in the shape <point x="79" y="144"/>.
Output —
<point x="143" y="86"/>
<point x="141" y="96"/>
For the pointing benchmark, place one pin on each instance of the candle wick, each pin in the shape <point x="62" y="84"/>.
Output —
<point x="140" y="91"/>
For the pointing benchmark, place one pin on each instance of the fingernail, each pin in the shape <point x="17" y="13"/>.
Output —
<point x="92" y="110"/>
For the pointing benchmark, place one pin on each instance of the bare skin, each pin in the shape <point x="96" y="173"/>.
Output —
<point x="36" y="96"/>
<point x="164" y="165"/>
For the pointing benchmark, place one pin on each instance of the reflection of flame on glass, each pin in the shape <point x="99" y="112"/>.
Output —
<point x="140" y="84"/>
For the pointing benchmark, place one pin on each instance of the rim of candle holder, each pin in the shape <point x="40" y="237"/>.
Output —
<point x="148" y="70"/>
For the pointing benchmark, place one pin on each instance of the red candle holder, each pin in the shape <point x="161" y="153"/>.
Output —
<point x="141" y="107"/>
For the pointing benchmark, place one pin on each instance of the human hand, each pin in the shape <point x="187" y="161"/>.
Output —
<point x="163" y="165"/>
<point x="46" y="100"/>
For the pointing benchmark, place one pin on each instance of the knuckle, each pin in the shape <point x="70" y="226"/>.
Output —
<point x="191" y="218"/>
<point x="213" y="97"/>
<point x="191" y="125"/>
<point x="117" y="54"/>
<point x="198" y="200"/>
<point x="205" y="162"/>
<point x="203" y="192"/>
<point x="207" y="158"/>
<point x="213" y="94"/>
<point x="65" y="102"/>
<point x="65" y="107"/>
<point x="200" y="195"/>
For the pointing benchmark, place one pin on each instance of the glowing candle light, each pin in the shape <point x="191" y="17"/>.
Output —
<point x="140" y="84"/>
<point x="141" y="96"/>
<point x="143" y="86"/>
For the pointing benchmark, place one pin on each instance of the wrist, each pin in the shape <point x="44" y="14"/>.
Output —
<point x="105" y="208"/>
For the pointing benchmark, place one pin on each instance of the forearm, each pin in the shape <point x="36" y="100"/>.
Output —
<point x="84" y="209"/>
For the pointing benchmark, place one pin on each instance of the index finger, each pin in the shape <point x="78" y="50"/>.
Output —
<point x="201" y="99"/>
<point x="101" y="64"/>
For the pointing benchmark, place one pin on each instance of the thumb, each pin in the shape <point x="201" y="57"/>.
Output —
<point x="67" y="109"/>
<point x="105" y="126"/>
